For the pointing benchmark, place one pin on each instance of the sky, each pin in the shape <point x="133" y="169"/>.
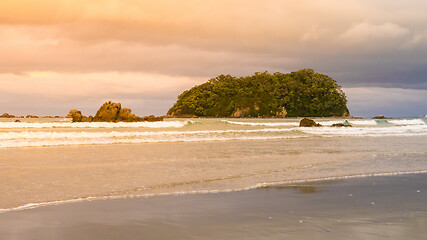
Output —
<point x="56" y="55"/>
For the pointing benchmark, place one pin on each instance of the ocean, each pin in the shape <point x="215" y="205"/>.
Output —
<point x="50" y="161"/>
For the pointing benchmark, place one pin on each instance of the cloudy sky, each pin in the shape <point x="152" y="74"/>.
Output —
<point x="61" y="54"/>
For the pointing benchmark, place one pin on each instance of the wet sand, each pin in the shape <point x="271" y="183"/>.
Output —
<point x="384" y="207"/>
<point x="40" y="175"/>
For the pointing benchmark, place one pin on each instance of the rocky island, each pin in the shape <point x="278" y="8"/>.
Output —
<point x="111" y="112"/>
<point x="297" y="94"/>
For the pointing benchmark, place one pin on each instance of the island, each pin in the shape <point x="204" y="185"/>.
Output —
<point x="303" y="93"/>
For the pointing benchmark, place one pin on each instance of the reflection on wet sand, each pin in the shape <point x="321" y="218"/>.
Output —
<point x="390" y="207"/>
<point x="298" y="188"/>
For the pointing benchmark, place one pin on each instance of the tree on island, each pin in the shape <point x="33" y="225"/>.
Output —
<point x="297" y="94"/>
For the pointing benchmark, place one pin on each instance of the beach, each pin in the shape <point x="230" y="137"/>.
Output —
<point x="44" y="161"/>
<point x="380" y="207"/>
<point x="55" y="164"/>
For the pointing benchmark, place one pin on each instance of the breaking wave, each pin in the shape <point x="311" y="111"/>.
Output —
<point x="160" y="124"/>
<point x="59" y="138"/>
<point x="270" y="124"/>
<point x="36" y="139"/>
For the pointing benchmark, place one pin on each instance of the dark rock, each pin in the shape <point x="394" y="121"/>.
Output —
<point x="344" y="124"/>
<point x="109" y="112"/>
<point x="6" y="115"/>
<point x="31" y="116"/>
<point x="305" y="122"/>
<point x="152" y="118"/>
<point x="175" y="115"/>
<point x="87" y="119"/>
<point x="76" y="115"/>
<point x="125" y="115"/>
<point x="341" y="125"/>
<point x="379" y="117"/>
<point x="17" y="120"/>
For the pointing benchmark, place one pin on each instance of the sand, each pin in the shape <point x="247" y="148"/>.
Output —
<point x="384" y="207"/>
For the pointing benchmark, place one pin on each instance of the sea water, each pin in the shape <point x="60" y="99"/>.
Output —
<point x="49" y="161"/>
<point x="63" y="132"/>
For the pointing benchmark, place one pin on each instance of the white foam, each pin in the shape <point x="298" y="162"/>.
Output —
<point x="414" y="130"/>
<point x="407" y="121"/>
<point x="271" y="124"/>
<point x="362" y="122"/>
<point x="294" y="124"/>
<point x="59" y="138"/>
<point x="210" y="191"/>
<point x="160" y="124"/>
<point x="35" y="138"/>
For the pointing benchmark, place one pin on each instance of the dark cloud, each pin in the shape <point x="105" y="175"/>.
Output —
<point x="360" y="43"/>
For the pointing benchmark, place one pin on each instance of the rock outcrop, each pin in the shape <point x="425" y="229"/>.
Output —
<point x="152" y="118"/>
<point x="76" y="115"/>
<point x="344" y="124"/>
<point x="111" y="112"/>
<point x="381" y="117"/>
<point x="7" y="115"/>
<point x="305" y="122"/>
<point x="340" y="125"/>
<point x="126" y="115"/>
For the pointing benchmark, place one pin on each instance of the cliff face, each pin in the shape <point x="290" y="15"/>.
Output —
<point x="297" y="94"/>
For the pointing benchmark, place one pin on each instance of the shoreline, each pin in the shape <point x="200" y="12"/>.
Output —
<point x="390" y="207"/>
<point x="257" y="186"/>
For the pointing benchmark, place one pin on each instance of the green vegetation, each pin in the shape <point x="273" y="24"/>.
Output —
<point x="297" y="94"/>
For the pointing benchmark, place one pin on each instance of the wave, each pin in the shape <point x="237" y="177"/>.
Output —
<point x="38" y="139"/>
<point x="50" y="138"/>
<point x="160" y="124"/>
<point x="271" y="124"/>
<point x="407" y="121"/>
<point x="356" y="122"/>
<point x="294" y="124"/>
<point x="415" y="130"/>
<point x="206" y="191"/>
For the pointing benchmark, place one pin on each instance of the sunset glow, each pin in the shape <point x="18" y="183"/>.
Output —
<point x="89" y="51"/>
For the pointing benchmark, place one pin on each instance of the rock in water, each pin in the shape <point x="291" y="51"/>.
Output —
<point x="87" y="119"/>
<point x="152" y="118"/>
<point x="109" y="112"/>
<point x="76" y="115"/>
<point x="125" y="115"/>
<point x="341" y="125"/>
<point x="6" y="115"/>
<point x="305" y="122"/>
